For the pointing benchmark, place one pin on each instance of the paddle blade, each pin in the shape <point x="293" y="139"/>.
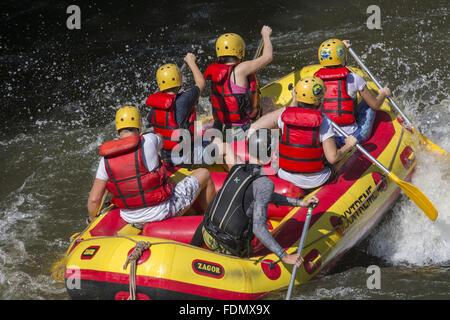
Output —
<point x="417" y="196"/>
<point x="432" y="146"/>
<point x="58" y="268"/>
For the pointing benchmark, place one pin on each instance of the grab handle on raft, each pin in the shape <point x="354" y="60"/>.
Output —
<point x="425" y="140"/>
<point x="299" y="251"/>
<point x="411" y="191"/>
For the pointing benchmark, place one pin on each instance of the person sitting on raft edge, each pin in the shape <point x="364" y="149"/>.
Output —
<point x="172" y="114"/>
<point x="243" y="202"/>
<point x="340" y="101"/>
<point x="307" y="137"/>
<point x="234" y="86"/>
<point x="131" y="171"/>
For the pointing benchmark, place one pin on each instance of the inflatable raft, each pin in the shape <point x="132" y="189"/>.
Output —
<point x="113" y="260"/>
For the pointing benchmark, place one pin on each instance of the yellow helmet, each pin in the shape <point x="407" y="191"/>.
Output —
<point x="230" y="44"/>
<point x="128" y="117"/>
<point x="168" y="77"/>
<point x="332" y="53"/>
<point x="310" y="90"/>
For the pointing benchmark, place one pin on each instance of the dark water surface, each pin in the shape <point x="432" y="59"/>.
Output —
<point x="60" y="89"/>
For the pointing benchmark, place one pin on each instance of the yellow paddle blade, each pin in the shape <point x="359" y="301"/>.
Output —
<point x="431" y="146"/>
<point x="417" y="196"/>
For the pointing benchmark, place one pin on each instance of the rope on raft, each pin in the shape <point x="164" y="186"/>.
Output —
<point x="132" y="259"/>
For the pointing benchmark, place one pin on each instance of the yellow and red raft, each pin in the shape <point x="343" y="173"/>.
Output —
<point x="170" y="268"/>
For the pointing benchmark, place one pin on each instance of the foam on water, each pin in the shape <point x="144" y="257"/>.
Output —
<point x="51" y="166"/>
<point x="18" y="222"/>
<point x="409" y="237"/>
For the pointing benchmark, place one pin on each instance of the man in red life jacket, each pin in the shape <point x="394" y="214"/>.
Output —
<point x="131" y="171"/>
<point x="173" y="113"/>
<point x="340" y="102"/>
<point x="234" y="87"/>
<point x="307" y="137"/>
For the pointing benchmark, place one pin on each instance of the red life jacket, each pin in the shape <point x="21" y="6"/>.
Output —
<point x="229" y="107"/>
<point x="131" y="185"/>
<point x="300" y="147"/>
<point x="162" y="117"/>
<point x="337" y="104"/>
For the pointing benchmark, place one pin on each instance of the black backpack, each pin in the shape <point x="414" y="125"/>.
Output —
<point x="226" y="219"/>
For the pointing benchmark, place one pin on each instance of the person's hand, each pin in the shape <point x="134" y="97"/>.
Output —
<point x="293" y="259"/>
<point x="351" y="141"/>
<point x="266" y="31"/>
<point x="189" y="58"/>
<point x="386" y="92"/>
<point x="347" y="43"/>
<point x="311" y="201"/>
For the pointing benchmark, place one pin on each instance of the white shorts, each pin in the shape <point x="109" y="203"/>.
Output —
<point x="183" y="196"/>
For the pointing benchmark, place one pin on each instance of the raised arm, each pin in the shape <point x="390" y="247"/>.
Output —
<point x="247" y="68"/>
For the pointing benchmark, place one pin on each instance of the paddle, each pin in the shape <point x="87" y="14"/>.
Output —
<point x="259" y="49"/>
<point x="411" y="191"/>
<point x="430" y="145"/>
<point x="299" y="251"/>
<point x="257" y="54"/>
<point x="183" y="67"/>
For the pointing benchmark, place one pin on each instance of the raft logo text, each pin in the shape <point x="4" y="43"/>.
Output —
<point x="359" y="206"/>
<point x="209" y="269"/>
